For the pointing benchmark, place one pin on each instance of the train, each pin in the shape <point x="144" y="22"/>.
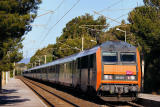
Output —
<point x="111" y="71"/>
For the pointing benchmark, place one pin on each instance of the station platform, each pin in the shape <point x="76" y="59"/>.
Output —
<point x="17" y="94"/>
<point x="150" y="97"/>
<point x="149" y="100"/>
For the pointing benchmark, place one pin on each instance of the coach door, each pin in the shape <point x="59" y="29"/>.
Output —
<point x="86" y="67"/>
<point x="91" y="70"/>
<point x="84" y="73"/>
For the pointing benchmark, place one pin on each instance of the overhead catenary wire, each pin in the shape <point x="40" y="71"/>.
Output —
<point x="44" y="9"/>
<point x="70" y="46"/>
<point x="55" y="11"/>
<point x="87" y="27"/>
<point x="107" y="17"/>
<point x="114" y="4"/>
<point x="108" y="9"/>
<point x="49" y="19"/>
<point x="110" y="6"/>
<point x="125" y="14"/>
<point x="115" y="20"/>
<point x="62" y="18"/>
<point x="120" y="16"/>
<point x="58" y="21"/>
<point x="50" y="11"/>
<point x="59" y="5"/>
<point x="120" y="9"/>
<point x="45" y="14"/>
<point x="92" y="25"/>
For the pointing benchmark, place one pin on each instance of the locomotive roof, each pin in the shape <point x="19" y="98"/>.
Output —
<point x="68" y="58"/>
<point x="117" y="44"/>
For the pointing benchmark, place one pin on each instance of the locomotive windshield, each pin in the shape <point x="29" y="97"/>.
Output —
<point x="128" y="57"/>
<point x="109" y="57"/>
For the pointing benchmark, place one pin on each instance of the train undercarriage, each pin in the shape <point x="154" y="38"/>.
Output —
<point x="118" y="92"/>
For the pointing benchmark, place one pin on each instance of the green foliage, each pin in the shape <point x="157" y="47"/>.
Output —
<point x="39" y="56"/>
<point x="113" y="34"/>
<point x="73" y="28"/>
<point x="15" y="19"/>
<point x="11" y="74"/>
<point x="145" y="23"/>
<point x="71" y="39"/>
<point x="71" y="46"/>
<point x="70" y="42"/>
<point x="13" y="55"/>
<point x="152" y="3"/>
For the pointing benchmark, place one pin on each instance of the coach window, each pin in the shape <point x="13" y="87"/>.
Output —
<point x="109" y="57"/>
<point x="79" y="63"/>
<point x="128" y="56"/>
<point x="43" y="70"/>
<point x="37" y="71"/>
<point x="54" y="68"/>
<point x="46" y="69"/>
<point x="84" y="62"/>
<point x="58" y="68"/>
<point x="50" y="69"/>
<point x="91" y="60"/>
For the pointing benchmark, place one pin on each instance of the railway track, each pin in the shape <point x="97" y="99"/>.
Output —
<point x="49" y="98"/>
<point x="53" y="97"/>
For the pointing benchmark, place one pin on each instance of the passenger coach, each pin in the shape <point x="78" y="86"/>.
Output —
<point x="111" y="69"/>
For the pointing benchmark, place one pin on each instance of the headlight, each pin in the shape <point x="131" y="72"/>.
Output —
<point x="107" y="77"/>
<point x="131" y="77"/>
<point x="119" y="77"/>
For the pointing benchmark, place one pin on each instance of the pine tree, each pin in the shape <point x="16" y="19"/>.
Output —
<point x="15" y="19"/>
<point x="145" y="21"/>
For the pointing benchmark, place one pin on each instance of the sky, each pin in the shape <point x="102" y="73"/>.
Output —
<point x="53" y="15"/>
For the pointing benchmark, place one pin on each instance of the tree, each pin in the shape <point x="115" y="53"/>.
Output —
<point x="145" y="22"/>
<point x="70" y="42"/>
<point x="113" y="34"/>
<point x="13" y="55"/>
<point x="39" y="56"/>
<point x="82" y="26"/>
<point x="73" y="28"/>
<point x="15" y="19"/>
<point x="155" y="3"/>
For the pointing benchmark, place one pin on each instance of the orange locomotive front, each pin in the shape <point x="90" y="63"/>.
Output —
<point x="118" y="70"/>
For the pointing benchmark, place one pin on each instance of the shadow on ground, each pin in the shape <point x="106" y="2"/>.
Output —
<point x="7" y="99"/>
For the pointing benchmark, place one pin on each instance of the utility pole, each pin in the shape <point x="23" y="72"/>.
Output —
<point x="35" y="64"/>
<point x="88" y="28"/>
<point x="82" y="43"/>
<point x="45" y="59"/>
<point x="125" y="36"/>
<point x="14" y="64"/>
<point x="39" y="62"/>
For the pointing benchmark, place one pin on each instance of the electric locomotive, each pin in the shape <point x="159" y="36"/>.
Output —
<point x="111" y="70"/>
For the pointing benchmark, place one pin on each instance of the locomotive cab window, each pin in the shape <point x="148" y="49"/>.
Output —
<point x="128" y="57"/>
<point x="109" y="57"/>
